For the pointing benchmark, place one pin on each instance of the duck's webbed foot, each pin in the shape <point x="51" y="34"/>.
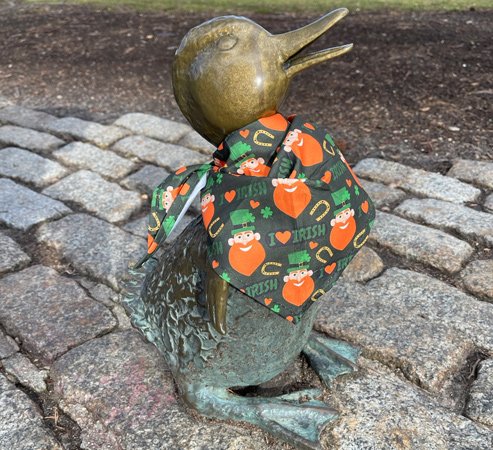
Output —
<point x="284" y="417"/>
<point x="330" y="357"/>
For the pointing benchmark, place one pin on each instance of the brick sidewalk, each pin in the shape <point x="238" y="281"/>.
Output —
<point x="74" y="374"/>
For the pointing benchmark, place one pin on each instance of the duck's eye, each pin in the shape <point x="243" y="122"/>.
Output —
<point x="226" y="42"/>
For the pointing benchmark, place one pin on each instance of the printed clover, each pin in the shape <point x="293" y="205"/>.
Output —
<point x="168" y="224"/>
<point x="219" y="178"/>
<point x="276" y="308"/>
<point x="266" y="212"/>
<point x="226" y="277"/>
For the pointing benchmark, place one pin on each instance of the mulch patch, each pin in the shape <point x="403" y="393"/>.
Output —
<point x="417" y="88"/>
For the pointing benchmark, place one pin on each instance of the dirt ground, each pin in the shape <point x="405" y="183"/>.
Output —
<point x="417" y="87"/>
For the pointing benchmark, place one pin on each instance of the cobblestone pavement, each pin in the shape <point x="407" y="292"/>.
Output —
<point x="74" y="374"/>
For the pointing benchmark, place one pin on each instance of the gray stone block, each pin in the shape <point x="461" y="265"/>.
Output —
<point x="475" y="172"/>
<point x="154" y="127"/>
<point x="13" y="257"/>
<point x="25" y="372"/>
<point x="420" y="243"/>
<point x="107" y="200"/>
<point x="411" y="321"/>
<point x="478" y="278"/>
<point x="25" y="117"/>
<point x="104" y="294"/>
<point x="380" y="411"/>
<point x="480" y="405"/>
<point x="28" y="167"/>
<point x="417" y="181"/>
<point x="467" y="222"/>
<point x="49" y="313"/>
<point x="381" y="194"/>
<point x="93" y="247"/>
<point x="22" y="208"/>
<point x="83" y="130"/>
<point x="139" y="227"/>
<point x="364" y="266"/>
<point x="86" y="156"/>
<point x="7" y="346"/>
<point x="122" y="381"/>
<point x="196" y="142"/>
<point x="146" y="179"/>
<point x="488" y="203"/>
<point x="4" y="102"/>
<point x="22" y="425"/>
<point x="30" y="139"/>
<point x="169" y="156"/>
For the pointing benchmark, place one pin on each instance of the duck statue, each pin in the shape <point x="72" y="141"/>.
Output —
<point x="232" y="302"/>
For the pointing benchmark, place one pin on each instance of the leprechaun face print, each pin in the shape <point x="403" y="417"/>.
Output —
<point x="246" y="252"/>
<point x="343" y="229"/>
<point x="291" y="195"/>
<point x="207" y="207"/>
<point x="168" y="198"/>
<point x="298" y="287"/>
<point x="254" y="167"/>
<point x="304" y="146"/>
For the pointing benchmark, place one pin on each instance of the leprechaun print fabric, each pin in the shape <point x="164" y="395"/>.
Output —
<point x="283" y="210"/>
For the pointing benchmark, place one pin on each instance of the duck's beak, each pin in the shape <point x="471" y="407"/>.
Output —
<point x="293" y="42"/>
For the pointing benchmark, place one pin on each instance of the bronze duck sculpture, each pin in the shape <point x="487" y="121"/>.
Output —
<point x="229" y="72"/>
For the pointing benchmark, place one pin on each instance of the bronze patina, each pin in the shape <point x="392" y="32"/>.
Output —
<point x="229" y="72"/>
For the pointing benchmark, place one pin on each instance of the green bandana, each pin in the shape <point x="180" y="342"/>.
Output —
<point x="284" y="212"/>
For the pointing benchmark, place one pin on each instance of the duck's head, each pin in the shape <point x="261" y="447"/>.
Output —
<point x="229" y="71"/>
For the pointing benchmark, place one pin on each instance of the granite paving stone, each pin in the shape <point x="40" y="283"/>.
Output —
<point x="98" y="249"/>
<point x="163" y="154"/>
<point x="22" y="422"/>
<point x="196" y="142"/>
<point x="25" y="372"/>
<point x="478" y="278"/>
<point x="380" y="411"/>
<point x="30" y="139"/>
<point x="417" y="181"/>
<point x="4" y="102"/>
<point x="488" y="203"/>
<point x="475" y="172"/>
<point x="83" y="130"/>
<point x="153" y="127"/>
<point x="103" y="198"/>
<point x="364" y="266"/>
<point x="25" y="117"/>
<point x="420" y="243"/>
<point x="122" y="394"/>
<point x="139" y="227"/>
<point x="121" y="317"/>
<point x="465" y="221"/>
<point x="381" y="194"/>
<point x="86" y="156"/>
<point x="22" y="208"/>
<point x="28" y="167"/>
<point x="13" y="257"/>
<point x="480" y="405"/>
<point x="146" y="179"/>
<point x="412" y="321"/>
<point x="7" y="346"/>
<point x="49" y="313"/>
<point x="104" y="294"/>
